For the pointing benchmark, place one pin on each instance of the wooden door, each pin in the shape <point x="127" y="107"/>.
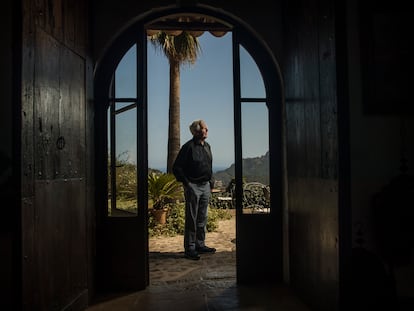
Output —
<point x="122" y="239"/>
<point x="257" y="107"/>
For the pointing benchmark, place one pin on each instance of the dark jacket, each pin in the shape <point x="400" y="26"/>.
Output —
<point x="194" y="163"/>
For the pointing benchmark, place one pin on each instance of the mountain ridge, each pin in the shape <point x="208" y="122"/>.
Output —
<point x="254" y="169"/>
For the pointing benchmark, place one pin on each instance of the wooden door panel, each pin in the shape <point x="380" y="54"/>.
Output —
<point x="121" y="240"/>
<point x="259" y="236"/>
<point x="258" y="251"/>
<point x="61" y="247"/>
<point x="121" y="261"/>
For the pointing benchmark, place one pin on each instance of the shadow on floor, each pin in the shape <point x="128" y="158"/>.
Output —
<point x="208" y="284"/>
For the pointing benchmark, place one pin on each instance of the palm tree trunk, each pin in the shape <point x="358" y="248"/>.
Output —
<point x="174" y="115"/>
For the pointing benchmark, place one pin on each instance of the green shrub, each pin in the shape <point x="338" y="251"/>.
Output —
<point x="214" y="215"/>
<point x="173" y="226"/>
<point x="176" y="221"/>
<point x="126" y="178"/>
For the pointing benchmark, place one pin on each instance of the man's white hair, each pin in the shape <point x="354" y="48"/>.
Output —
<point x="195" y="126"/>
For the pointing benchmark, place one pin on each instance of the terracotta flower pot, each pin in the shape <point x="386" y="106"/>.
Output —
<point x="160" y="215"/>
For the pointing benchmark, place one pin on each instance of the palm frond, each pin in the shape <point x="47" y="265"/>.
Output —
<point x="183" y="48"/>
<point x="163" y="188"/>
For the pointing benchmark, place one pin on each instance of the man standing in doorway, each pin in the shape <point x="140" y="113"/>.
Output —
<point x="193" y="167"/>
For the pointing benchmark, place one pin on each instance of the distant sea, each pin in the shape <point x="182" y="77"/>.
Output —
<point x="219" y="168"/>
<point x="215" y="169"/>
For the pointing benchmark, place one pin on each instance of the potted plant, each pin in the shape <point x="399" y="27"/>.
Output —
<point x="163" y="189"/>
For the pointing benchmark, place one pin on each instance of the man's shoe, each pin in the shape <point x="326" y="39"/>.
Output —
<point x="191" y="254"/>
<point x="206" y="250"/>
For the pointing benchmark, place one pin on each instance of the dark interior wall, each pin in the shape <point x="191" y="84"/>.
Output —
<point x="6" y="60"/>
<point x="8" y="209"/>
<point x="312" y="150"/>
<point x="377" y="143"/>
<point x="112" y="17"/>
<point x="378" y="140"/>
<point x="56" y="155"/>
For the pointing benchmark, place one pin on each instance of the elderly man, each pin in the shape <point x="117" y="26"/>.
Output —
<point x="193" y="167"/>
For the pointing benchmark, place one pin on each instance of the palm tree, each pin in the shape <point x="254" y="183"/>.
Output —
<point x="179" y="49"/>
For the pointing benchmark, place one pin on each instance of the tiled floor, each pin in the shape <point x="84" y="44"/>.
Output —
<point x="208" y="297"/>
<point x="209" y="284"/>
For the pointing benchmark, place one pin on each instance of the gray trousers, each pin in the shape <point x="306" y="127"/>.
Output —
<point x="197" y="197"/>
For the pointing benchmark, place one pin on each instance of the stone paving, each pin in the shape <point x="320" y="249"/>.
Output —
<point x="208" y="284"/>
<point x="169" y="267"/>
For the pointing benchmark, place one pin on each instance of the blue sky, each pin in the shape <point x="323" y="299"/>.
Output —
<point x="206" y="93"/>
